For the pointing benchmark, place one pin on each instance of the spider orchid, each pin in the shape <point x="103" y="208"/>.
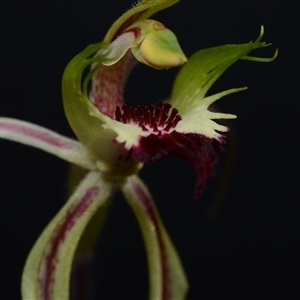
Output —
<point x="115" y="139"/>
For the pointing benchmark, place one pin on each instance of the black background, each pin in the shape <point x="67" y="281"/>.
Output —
<point x="248" y="246"/>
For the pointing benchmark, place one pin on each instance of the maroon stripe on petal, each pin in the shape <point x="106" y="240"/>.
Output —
<point x="129" y="22"/>
<point x="38" y="134"/>
<point x="150" y="211"/>
<point x="48" y="266"/>
<point x="135" y="30"/>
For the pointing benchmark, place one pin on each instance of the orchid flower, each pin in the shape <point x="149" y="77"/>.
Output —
<point x="115" y="140"/>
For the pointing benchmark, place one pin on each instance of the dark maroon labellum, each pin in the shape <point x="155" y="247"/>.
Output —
<point x="154" y="118"/>
<point x="164" y="140"/>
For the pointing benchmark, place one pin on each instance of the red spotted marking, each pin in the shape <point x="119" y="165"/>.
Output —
<point x="155" y="25"/>
<point x="108" y="84"/>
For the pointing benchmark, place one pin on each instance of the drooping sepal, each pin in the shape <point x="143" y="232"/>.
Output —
<point x="166" y="274"/>
<point x="47" y="271"/>
<point x="46" y="140"/>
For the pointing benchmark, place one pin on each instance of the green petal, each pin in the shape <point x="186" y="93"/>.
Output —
<point x="205" y="67"/>
<point x="76" y="104"/>
<point x="87" y="121"/>
<point x="48" y="267"/>
<point x="140" y="11"/>
<point x="166" y="274"/>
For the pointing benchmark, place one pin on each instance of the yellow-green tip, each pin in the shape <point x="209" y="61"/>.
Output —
<point x="161" y="53"/>
<point x="158" y="46"/>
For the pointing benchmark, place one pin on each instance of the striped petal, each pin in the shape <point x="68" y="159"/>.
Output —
<point x="167" y="278"/>
<point x="46" y="140"/>
<point x="47" y="271"/>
